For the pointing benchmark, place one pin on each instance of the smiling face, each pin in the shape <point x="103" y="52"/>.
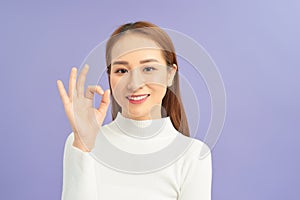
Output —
<point x="139" y="77"/>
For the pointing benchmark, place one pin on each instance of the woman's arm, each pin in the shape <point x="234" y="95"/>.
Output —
<point x="79" y="178"/>
<point x="197" y="180"/>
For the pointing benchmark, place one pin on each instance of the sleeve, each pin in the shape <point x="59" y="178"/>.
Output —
<point x="197" y="179"/>
<point x="79" y="178"/>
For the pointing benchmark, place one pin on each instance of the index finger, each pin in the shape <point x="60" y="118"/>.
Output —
<point x="62" y="92"/>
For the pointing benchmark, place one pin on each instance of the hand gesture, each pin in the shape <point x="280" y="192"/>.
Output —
<point x="85" y="120"/>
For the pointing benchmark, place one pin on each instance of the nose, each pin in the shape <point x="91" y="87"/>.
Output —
<point x="136" y="80"/>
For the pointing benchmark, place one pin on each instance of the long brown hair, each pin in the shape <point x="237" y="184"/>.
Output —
<point x="171" y="103"/>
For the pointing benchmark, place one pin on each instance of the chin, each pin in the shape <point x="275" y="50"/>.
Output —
<point x="138" y="113"/>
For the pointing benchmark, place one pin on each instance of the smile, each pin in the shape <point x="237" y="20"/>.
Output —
<point x="137" y="98"/>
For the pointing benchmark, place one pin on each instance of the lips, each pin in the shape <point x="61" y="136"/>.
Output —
<point x="137" y="98"/>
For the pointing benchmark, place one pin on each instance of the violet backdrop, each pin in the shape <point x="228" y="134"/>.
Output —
<point x="255" y="45"/>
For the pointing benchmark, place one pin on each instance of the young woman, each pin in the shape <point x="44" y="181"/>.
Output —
<point x="147" y="114"/>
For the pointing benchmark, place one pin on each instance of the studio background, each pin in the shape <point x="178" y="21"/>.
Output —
<point x="255" y="45"/>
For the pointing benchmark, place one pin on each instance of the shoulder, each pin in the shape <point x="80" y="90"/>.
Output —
<point x="69" y="139"/>
<point x="196" y="148"/>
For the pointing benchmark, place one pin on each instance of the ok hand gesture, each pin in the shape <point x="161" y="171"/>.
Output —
<point x="85" y="120"/>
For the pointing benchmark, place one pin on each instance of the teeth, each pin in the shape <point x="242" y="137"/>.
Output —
<point x="137" y="98"/>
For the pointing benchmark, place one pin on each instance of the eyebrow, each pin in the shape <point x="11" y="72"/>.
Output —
<point x="141" y="62"/>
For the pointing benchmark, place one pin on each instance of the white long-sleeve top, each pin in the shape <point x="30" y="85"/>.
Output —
<point x="114" y="174"/>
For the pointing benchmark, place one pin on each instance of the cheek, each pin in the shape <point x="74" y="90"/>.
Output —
<point x="113" y="82"/>
<point x="158" y="92"/>
<point x="117" y="90"/>
<point x="116" y="84"/>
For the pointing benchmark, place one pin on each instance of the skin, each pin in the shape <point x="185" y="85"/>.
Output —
<point x="132" y="54"/>
<point x="86" y="120"/>
<point x="123" y="86"/>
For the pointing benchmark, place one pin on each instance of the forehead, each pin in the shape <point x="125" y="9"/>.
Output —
<point x="134" y="45"/>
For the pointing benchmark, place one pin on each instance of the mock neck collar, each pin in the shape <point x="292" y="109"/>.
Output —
<point x="142" y="129"/>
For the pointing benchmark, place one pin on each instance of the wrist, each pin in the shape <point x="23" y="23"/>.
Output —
<point x="78" y="144"/>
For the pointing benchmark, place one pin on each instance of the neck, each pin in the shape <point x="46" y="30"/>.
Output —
<point x="148" y="116"/>
<point x="142" y="128"/>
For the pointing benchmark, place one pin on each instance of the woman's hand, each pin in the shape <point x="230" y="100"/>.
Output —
<point x="85" y="120"/>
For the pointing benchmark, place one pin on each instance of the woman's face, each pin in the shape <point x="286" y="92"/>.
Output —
<point x="139" y="77"/>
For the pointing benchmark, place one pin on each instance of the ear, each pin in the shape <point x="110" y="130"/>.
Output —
<point x="171" y="73"/>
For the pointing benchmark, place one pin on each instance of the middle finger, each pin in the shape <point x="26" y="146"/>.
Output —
<point x="81" y="80"/>
<point x="72" y="82"/>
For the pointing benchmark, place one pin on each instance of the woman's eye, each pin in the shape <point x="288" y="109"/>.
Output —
<point x="121" y="71"/>
<point x="149" y="68"/>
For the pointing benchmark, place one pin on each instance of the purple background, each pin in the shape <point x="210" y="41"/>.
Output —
<point x="255" y="45"/>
